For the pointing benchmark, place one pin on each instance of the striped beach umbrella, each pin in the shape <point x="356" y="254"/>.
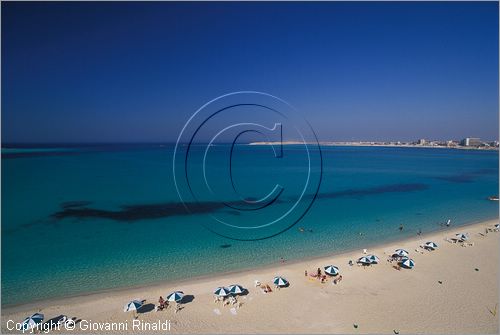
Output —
<point x="373" y="259"/>
<point x="236" y="289"/>
<point x="221" y="292"/>
<point x="364" y="260"/>
<point x="430" y="245"/>
<point x="280" y="281"/>
<point x="331" y="270"/>
<point x="497" y="226"/>
<point x="31" y="321"/>
<point x="132" y="306"/>
<point x="401" y="253"/>
<point x="462" y="237"/>
<point x="407" y="263"/>
<point x="175" y="296"/>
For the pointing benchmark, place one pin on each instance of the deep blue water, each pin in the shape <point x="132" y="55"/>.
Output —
<point x="78" y="219"/>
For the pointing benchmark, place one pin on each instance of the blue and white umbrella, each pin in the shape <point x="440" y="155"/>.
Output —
<point x="373" y="259"/>
<point x="364" y="260"/>
<point x="132" y="306"/>
<point x="462" y="237"/>
<point x="31" y="321"/>
<point x="175" y="296"/>
<point x="221" y="292"/>
<point x="497" y="226"/>
<point x="280" y="281"/>
<point x="331" y="270"/>
<point x="430" y="245"/>
<point x="407" y="263"/>
<point x="236" y="289"/>
<point x="401" y="253"/>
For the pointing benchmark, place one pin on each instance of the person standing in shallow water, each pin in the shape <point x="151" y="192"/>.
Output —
<point x="401" y="227"/>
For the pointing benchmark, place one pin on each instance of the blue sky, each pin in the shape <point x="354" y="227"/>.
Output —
<point x="127" y="72"/>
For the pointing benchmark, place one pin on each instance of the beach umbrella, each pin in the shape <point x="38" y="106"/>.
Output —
<point x="132" y="306"/>
<point x="407" y="263"/>
<point x="373" y="259"/>
<point x="462" y="237"/>
<point x="430" y="245"/>
<point x="364" y="260"/>
<point x="221" y="291"/>
<point x="236" y="289"/>
<point x="280" y="281"/>
<point x="331" y="270"/>
<point x="31" y="321"/>
<point x="401" y="252"/>
<point x="175" y="296"/>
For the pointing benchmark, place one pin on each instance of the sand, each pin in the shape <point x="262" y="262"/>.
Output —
<point x="378" y="299"/>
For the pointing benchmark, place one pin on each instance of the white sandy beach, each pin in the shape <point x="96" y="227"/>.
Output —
<point x="378" y="299"/>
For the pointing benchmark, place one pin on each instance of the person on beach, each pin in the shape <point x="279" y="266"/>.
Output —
<point x="161" y="303"/>
<point x="319" y="273"/>
<point x="305" y="273"/>
<point x="419" y="232"/>
<point x="351" y="263"/>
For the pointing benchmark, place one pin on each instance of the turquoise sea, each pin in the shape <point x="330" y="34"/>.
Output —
<point x="82" y="218"/>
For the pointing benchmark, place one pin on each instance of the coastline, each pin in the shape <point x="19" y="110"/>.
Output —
<point x="176" y="282"/>
<point x="201" y="287"/>
<point x="364" y="144"/>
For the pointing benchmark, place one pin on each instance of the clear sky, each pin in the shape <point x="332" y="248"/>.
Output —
<point x="114" y="72"/>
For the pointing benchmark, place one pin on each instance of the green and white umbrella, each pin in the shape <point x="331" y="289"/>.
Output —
<point x="132" y="306"/>
<point x="236" y="289"/>
<point x="175" y="296"/>
<point x="331" y="270"/>
<point x="430" y="245"/>
<point x="407" y="263"/>
<point x="31" y="321"/>
<point x="401" y="253"/>
<point x="221" y="291"/>
<point x="364" y="260"/>
<point x="373" y="259"/>
<point x="280" y="281"/>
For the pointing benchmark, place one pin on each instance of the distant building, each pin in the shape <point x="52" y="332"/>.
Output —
<point x="451" y="143"/>
<point x="471" y="142"/>
<point x="421" y="141"/>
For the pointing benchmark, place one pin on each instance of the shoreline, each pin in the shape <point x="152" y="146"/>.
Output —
<point x="345" y="144"/>
<point x="174" y="282"/>
<point x="111" y="301"/>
